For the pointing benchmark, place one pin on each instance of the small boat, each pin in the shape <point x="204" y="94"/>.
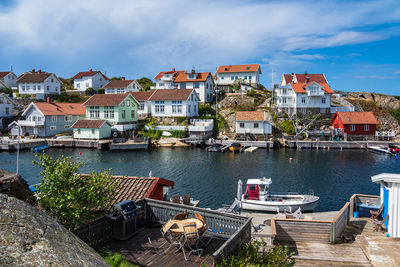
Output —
<point x="39" y="149"/>
<point x="214" y="148"/>
<point x="235" y="147"/>
<point x="224" y="148"/>
<point x="257" y="197"/>
<point x="379" y="149"/>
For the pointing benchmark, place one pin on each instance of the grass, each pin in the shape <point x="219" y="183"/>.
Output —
<point x="116" y="259"/>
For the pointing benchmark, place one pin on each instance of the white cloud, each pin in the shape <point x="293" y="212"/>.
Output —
<point x="151" y="35"/>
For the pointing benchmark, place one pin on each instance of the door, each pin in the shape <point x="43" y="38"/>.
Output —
<point x="385" y="205"/>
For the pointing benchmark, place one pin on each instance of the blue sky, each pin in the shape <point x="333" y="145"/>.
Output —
<point x="354" y="43"/>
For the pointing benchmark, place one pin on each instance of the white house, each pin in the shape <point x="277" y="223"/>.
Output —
<point x="6" y="108"/>
<point x="249" y="75"/>
<point x="304" y="93"/>
<point x="252" y="122"/>
<point x="174" y="103"/>
<point x="86" y="79"/>
<point x="144" y="108"/>
<point x="39" y="84"/>
<point x="201" y="82"/>
<point x="122" y="86"/>
<point x="8" y="79"/>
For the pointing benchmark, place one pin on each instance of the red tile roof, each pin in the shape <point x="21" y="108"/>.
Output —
<point x="356" y="117"/>
<point x="87" y="74"/>
<point x="239" y="68"/>
<point x="33" y="77"/>
<point x="250" y="115"/>
<point x="4" y="74"/>
<point x="58" y="109"/>
<point x="200" y="77"/>
<point x="142" y="95"/>
<point x="88" y="124"/>
<point x="118" y="83"/>
<point x="173" y="72"/>
<point x="171" y="94"/>
<point x="105" y="99"/>
<point x="301" y="84"/>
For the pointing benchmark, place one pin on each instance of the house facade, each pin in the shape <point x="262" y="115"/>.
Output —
<point x="91" y="129"/>
<point x="355" y="123"/>
<point x="249" y="76"/>
<point x="6" y="109"/>
<point x="8" y="79"/>
<point x="201" y="82"/>
<point x="89" y="79"/>
<point x="174" y="103"/>
<point x="120" y="110"/>
<point x="252" y="122"/>
<point x="39" y="84"/>
<point x="46" y="119"/>
<point x="144" y="104"/>
<point x="122" y="86"/>
<point x="304" y="94"/>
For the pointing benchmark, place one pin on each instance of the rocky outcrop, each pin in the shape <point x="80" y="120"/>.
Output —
<point x="29" y="237"/>
<point x="385" y="101"/>
<point x="236" y="101"/>
<point x="14" y="185"/>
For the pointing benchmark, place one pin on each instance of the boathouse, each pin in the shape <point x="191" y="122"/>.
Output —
<point x="355" y="123"/>
<point x="253" y="125"/>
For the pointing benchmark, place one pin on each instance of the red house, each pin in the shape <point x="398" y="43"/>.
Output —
<point x="355" y="123"/>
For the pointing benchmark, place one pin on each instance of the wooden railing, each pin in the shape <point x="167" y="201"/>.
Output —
<point x="95" y="232"/>
<point x="339" y="222"/>
<point x="363" y="199"/>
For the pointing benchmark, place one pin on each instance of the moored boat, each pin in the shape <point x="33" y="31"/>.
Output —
<point x="379" y="149"/>
<point x="39" y="149"/>
<point x="257" y="197"/>
<point x="235" y="147"/>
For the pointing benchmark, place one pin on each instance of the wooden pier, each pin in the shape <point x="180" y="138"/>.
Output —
<point x="304" y="144"/>
<point x="260" y="144"/>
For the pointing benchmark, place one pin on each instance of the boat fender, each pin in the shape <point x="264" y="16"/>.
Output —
<point x="397" y="157"/>
<point x="246" y="196"/>
<point x="80" y="153"/>
<point x="290" y="160"/>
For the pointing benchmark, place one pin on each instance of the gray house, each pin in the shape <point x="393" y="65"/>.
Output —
<point x="48" y="119"/>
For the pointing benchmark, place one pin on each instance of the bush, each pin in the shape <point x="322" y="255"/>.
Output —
<point x="115" y="259"/>
<point x="101" y="91"/>
<point x="178" y="133"/>
<point x="66" y="98"/>
<point x="288" y="127"/>
<point x="396" y="114"/>
<point x="90" y="91"/>
<point x="206" y="109"/>
<point x="146" y="83"/>
<point x="181" y="120"/>
<point x="153" y="134"/>
<point x="254" y="254"/>
<point x="72" y="198"/>
<point x="7" y="91"/>
<point x="245" y="107"/>
<point x="26" y="96"/>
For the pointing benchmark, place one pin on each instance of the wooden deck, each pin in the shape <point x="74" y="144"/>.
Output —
<point x="139" y="251"/>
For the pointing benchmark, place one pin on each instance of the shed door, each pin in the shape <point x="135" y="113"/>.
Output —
<point x="386" y="205"/>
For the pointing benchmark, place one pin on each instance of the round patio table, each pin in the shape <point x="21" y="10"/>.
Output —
<point x="178" y="228"/>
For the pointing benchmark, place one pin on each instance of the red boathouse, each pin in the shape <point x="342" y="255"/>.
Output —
<point x="355" y="123"/>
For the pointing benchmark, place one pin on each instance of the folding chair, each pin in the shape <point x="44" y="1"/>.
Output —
<point x="203" y="229"/>
<point x="170" y="240"/>
<point x="378" y="224"/>
<point x="176" y="199"/>
<point x="376" y="213"/>
<point x="186" y="200"/>
<point x="181" y="216"/>
<point x="191" y="240"/>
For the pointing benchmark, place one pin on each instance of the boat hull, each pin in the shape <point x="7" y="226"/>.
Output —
<point x="282" y="206"/>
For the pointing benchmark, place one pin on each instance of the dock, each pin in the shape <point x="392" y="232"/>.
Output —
<point x="130" y="145"/>
<point x="308" y="144"/>
<point x="259" y="144"/>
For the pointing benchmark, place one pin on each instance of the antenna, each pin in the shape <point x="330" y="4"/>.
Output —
<point x="272" y="77"/>
<point x="11" y="68"/>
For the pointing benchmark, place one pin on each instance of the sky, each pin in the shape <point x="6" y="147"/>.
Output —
<point x="356" y="44"/>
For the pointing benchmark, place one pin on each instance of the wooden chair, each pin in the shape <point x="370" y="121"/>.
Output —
<point x="378" y="224"/>
<point x="190" y="240"/>
<point x="186" y="200"/>
<point x="181" y="216"/>
<point x="170" y="239"/>
<point x="176" y="199"/>
<point x="203" y="229"/>
<point x="376" y="213"/>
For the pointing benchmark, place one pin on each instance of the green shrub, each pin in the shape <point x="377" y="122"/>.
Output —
<point x="26" y="96"/>
<point x="101" y="91"/>
<point x="7" y="91"/>
<point x="146" y="83"/>
<point x="274" y="117"/>
<point x="181" y="120"/>
<point x="255" y="253"/>
<point x="90" y="91"/>
<point x="67" y="98"/>
<point x="206" y="109"/>
<point x="178" y="133"/>
<point x="17" y="94"/>
<point x="396" y="114"/>
<point x="288" y="127"/>
<point x="153" y="134"/>
<point x="115" y="259"/>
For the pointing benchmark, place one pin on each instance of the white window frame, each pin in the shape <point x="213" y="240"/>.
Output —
<point x="256" y="126"/>
<point x="68" y="118"/>
<point x="241" y="124"/>
<point x="53" y="128"/>
<point x="66" y="126"/>
<point x="352" y="128"/>
<point x="53" y="118"/>
<point x="366" y="128"/>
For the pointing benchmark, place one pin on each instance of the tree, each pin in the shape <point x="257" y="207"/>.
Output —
<point x="7" y="91"/>
<point x="70" y="197"/>
<point x="115" y="78"/>
<point x="288" y="127"/>
<point x="90" y="91"/>
<point x="237" y="84"/>
<point x="67" y="98"/>
<point x="101" y="91"/>
<point x="146" y="83"/>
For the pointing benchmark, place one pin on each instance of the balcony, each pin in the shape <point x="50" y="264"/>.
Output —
<point x="30" y="123"/>
<point x="315" y="93"/>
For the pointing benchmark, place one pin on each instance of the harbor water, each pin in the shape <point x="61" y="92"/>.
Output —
<point x="333" y="175"/>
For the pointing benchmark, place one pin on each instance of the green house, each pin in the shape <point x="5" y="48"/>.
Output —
<point x="91" y="129"/>
<point x="120" y="110"/>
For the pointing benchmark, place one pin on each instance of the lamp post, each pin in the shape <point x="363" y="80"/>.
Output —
<point x="19" y="133"/>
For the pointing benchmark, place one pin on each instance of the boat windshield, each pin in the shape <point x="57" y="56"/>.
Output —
<point x="252" y="192"/>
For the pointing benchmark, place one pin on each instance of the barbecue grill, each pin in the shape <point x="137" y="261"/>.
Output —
<point x="124" y="219"/>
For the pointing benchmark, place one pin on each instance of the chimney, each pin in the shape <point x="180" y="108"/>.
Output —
<point x="33" y="70"/>
<point x="307" y="79"/>
<point x="48" y="99"/>
<point x="173" y="69"/>
<point x="39" y="71"/>
<point x="90" y="69"/>
<point x="305" y="73"/>
<point x="193" y="71"/>
<point x="123" y="78"/>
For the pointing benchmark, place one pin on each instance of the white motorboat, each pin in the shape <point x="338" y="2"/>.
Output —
<point x="380" y="149"/>
<point x="257" y="197"/>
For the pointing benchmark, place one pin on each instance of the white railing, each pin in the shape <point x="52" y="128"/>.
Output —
<point x="386" y="133"/>
<point x="342" y="109"/>
<point x="124" y="127"/>
<point x="30" y="123"/>
<point x="167" y="128"/>
<point x="315" y="93"/>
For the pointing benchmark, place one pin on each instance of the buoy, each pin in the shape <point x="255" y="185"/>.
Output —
<point x="80" y="153"/>
<point x="290" y="160"/>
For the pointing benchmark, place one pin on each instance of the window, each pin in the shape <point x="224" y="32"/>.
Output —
<point x="191" y="97"/>
<point x="27" y="87"/>
<point x="189" y="108"/>
<point x="366" y="128"/>
<point x="38" y="87"/>
<point x="196" y="85"/>
<point x="123" y="114"/>
<point x="222" y="77"/>
<point x="34" y="88"/>
<point x="191" y="76"/>
<point x="241" y="125"/>
<point x="33" y="118"/>
<point x="232" y="78"/>
<point x="93" y="131"/>
<point x="39" y="119"/>
<point x="48" y="88"/>
<point x="256" y="125"/>
<point x="53" y="128"/>
<point x="101" y="79"/>
<point x="68" y="118"/>
<point x="56" y="88"/>
<point x="132" y="113"/>
<point x="183" y="85"/>
<point x="128" y="103"/>
<point x="78" y="85"/>
<point x="176" y="106"/>
<point x="52" y="80"/>
<point x="304" y="110"/>
<point x="160" y="107"/>
<point x="7" y="110"/>
<point x="284" y="100"/>
<point x="161" y="84"/>
<point x="54" y="118"/>
<point x="303" y="100"/>
<point x="323" y="100"/>
<point x="141" y="105"/>
<point x="250" y="78"/>
<point x="195" y="108"/>
<point x="23" y="88"/>
<point x="352" y="128"/>
<point x="87" y="85"/>
<point x="245" y="77"/>
<point x="236" y="77"/>
<point x="66" y="126"/>
<point x="94" y="113"/>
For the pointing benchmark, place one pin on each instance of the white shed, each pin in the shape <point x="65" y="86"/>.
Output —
<point x="390" y="197"/>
